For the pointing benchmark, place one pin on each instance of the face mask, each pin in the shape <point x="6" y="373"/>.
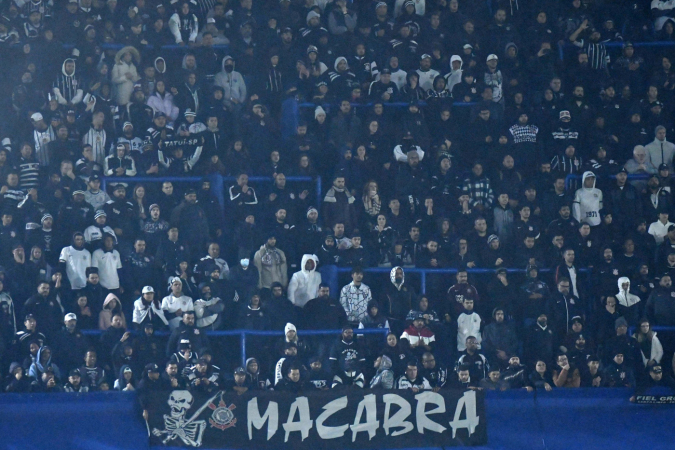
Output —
<point x="244" y="263"/>
<point x="229" y="68"/>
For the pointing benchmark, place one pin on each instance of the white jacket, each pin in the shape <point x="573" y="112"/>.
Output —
<point x="624" y="297"/>
<point x="587" y="203"/>
<point x="200" y="306"/>
<point x="171" y="304"/>
<point x="141" y="312"/>
<point x="656" y="353"/>
<point x="454" y="76"/>
<point x="304" y="285"/>
<point x="124" y="86"/>
<point x="468" y="325"/>
<point x="165" y="105"/>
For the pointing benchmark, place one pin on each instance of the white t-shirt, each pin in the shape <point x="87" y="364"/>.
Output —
<point x="172" y="304"/>
<point x="107" y="264"/>
<point x="77" y="262"/>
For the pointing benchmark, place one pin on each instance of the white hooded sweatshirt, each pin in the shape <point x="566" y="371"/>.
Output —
<point x="304" y="285"/>
<point x="454" y="76"/>
<point x="624" y="297"/>
<point x="587" y="203"/>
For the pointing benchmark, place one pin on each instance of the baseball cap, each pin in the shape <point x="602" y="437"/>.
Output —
<point x="189" y="113"/>
<point x="128" y="369"/>
<point x="75" y="373"/>
<point x="29" y="316"/>
<point x="127" y="124"/>
<point x="36" y="117"/>
<point x="70" y="316"/>
<point x="147" y="289"/>
<point x="425" y="56"/>
<point x="78" y="191"/>
<point x="151" y="367"/>
<point x="656" y="369"/>
<point x="491" y="56"/>
<point x="385" y="71"/>
<point x="664" y="167"/>
<point x="240" y="371"/>
<point x="468" y="46"/>
<point x="94" y="177"/>
<point x="99" y="213"/>
<point x="120" y="186"/>
<point x="565" y="113"/>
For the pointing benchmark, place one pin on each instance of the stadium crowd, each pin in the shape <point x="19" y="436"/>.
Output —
<point x="204" y="88"/>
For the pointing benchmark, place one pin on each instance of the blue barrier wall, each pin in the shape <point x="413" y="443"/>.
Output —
<point x="562" y="419"/>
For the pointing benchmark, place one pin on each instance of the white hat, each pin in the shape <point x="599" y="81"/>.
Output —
<point x="36" y="117"/>
<point x="319" y="110"/>
<point x="70" y="316"/>
<point x="289" y="326"/>
<point x="147" y="289"/>
<point x="492" y="56"/>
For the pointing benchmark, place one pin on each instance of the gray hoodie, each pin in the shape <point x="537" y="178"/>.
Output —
<point x="232" y="83"/>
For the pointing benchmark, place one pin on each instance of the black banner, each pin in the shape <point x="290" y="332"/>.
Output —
<point x="357" y="419"/>
<point x="185" y="142"/>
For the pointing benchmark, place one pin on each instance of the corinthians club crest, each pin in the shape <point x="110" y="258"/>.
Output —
<point x="222" y="417"/>
<point x="191" y="430"/>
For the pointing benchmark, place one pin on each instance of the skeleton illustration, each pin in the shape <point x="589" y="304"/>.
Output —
<point x="175" y="426"/>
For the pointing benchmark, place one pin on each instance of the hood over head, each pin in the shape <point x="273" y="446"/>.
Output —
<point x="183" y="62"/>
<point x="456" y="58"/>
<point x="385" y="363"/>
<point x="156" y="61"/>
<point x="392" y="276"/>
<point x="337" y="61"/>
<point x="306" y="258"/>
<point x="586" y="175"/>
<point x="621" y="281"/>
<point x="128" y="49"/>
<point x="249" y="361"/>
<point x="41" y="366"/>
<point x="63" y="67"/>
<point x="109" y="299"/>
<point x="225" y="59"/>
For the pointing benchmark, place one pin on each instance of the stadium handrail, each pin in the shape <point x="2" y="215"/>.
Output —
<point x="106" y="180"/>
<point x="576" y="176"/>
<point x="449" y="271"/>
<point x="393" y="104"/>
<point x="242" y="333"/>
<point x="562" y="45"/>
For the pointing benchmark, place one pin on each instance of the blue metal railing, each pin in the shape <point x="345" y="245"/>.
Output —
<point x="106" y="180"/>
<point x="573" y="177"/>
<point x="424" y="272"/>
<point x="568" y="45"/>
<point x="243" y="333"/>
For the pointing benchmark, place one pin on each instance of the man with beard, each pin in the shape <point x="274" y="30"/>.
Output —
<point x="500" y="342"/>
<point x="398" y="300"/>
<point x="515" y="375"/>
<point x="45" y="307"/>
<point x="346" y="348"/>
<point x="74" y="261"/>
<point x="538" y="342"/>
